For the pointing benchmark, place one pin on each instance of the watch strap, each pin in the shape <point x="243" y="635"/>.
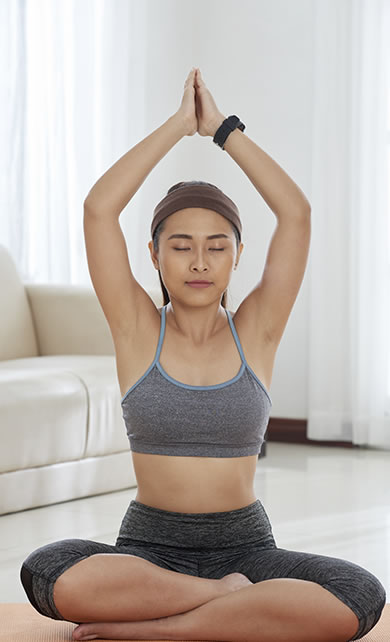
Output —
<point x="228" y="125"/>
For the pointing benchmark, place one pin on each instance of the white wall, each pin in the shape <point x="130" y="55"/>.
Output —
<point x="256" y="58"/>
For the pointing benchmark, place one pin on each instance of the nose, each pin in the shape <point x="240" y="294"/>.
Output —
<point x="200" y="269"/>
<point x="199" y="263"/>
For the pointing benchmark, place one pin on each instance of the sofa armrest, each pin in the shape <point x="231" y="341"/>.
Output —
<point x="68" y="319"/>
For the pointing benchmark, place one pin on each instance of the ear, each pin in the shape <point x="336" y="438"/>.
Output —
<point x="241" y="247"/>
<point x="153" y="255"/>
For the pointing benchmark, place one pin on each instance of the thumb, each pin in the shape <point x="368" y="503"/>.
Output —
<point x="198" y="77"/>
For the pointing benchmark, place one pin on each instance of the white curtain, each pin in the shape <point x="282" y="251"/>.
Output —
<point x="349" y="342"/>
<point x="72" y="98"/>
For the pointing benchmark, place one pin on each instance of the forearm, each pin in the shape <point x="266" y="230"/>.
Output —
<point x="111" y="193"/>
<point x="279" y="191"/>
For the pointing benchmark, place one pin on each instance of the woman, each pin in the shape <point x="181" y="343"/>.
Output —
<point x="195" y="557"/>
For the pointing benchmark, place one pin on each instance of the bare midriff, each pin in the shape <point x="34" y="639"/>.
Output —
<point x="195" y="484"/>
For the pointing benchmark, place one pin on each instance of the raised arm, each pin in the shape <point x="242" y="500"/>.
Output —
<point x="123" y="300"/>
<point x="267" y="307"/>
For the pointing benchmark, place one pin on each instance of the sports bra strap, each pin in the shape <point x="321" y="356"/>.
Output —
<point x="236" y="337"/>
<point x="162" y="332"/>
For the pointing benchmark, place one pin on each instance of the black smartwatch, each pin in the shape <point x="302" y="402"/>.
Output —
<point x="228" y="125"/>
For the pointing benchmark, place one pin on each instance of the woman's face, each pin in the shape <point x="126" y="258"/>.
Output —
<point x="196" y="257"/>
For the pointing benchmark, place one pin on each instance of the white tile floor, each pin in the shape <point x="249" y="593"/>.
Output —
<point x="332" y="501"/>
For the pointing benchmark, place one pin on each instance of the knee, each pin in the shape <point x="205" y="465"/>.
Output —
<point x="26" y="578"/>
<point x="41" y="569"/>
<point x="366" y="597"/>
<point x="373" y="603"/>
<point x="39" y="593"/>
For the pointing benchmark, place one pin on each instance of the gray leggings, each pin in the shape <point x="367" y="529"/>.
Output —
<point x="208" y="545"/>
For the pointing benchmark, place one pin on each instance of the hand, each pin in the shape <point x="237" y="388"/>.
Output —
<point x="208" y="115"/>
<point x="198" y="111"/>
<point x="187" y="109"/>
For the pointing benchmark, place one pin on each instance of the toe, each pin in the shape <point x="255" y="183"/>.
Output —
<point x="85" y="632"/>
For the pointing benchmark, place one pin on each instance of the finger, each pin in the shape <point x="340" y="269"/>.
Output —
<point x="190" y="76"/>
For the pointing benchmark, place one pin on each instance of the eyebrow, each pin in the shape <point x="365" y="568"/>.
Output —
<point x="188" y="236"/>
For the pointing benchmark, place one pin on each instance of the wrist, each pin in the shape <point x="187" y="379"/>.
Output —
<point x="180" y="123"/>
<point x="216" y="124"/>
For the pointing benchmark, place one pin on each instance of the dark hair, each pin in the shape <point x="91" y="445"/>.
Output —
<point x="160" y="228"/>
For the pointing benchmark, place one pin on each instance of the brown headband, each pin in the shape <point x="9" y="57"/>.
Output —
<point x="196" y="194"/>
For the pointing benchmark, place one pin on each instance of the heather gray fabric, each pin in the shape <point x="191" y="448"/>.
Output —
<point x="166" y="417"/>
<point x="208" y="545"/>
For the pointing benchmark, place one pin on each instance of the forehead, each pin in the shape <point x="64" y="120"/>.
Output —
<point x="197" y="222"/>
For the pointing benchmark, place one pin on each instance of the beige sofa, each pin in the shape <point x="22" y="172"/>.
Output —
<point x="62" y="434"/>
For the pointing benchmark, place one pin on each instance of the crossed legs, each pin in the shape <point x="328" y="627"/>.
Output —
<point x="125" y="597"/>
<point x="241" y="592"/>
<point x="278" y="610"/>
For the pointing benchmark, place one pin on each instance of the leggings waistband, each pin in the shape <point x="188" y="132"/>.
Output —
<point x="147" y="524"/>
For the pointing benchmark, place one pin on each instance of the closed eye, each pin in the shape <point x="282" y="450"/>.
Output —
<point x="215" y="249"/>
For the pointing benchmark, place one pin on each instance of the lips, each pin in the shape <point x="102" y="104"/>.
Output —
<point x="199" y="286"/>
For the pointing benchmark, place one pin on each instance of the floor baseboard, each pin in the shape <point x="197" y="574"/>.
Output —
<point x="294" y="431"/>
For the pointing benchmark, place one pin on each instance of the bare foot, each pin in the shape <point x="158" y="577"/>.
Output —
<point x="137" y="630"/>
<point x="236" y="581"/>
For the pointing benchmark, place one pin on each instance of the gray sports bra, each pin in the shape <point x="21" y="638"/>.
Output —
<point x="166" y="417"/>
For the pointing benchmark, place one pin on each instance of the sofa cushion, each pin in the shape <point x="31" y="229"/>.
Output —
<point x="44" y="417"/>
<point x="68" y="319"/>
<point x="16" y="324"/>
<point x="101" y="428"/>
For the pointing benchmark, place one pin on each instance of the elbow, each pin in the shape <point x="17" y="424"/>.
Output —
<point x="302" y="206"/>
<point x="89" y="207"/>
<point x="306" y="207"/>
<point x="305" y="211"/>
